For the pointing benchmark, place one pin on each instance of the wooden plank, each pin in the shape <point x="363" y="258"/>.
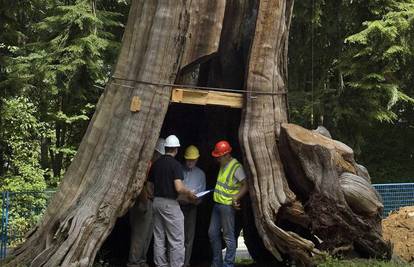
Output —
<point x="207" y="97"/>
<point x="135" y="104"/>
<point x="176" y="96"/>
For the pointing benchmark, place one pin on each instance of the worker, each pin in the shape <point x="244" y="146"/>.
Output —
<point x="231" y="186"/>
<point x="195" y="180"/>
<point x="167" y="176"/>
<point x="141" y="221"/>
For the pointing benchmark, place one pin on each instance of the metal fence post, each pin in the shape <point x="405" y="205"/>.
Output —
<point x="3" y="245"/>
<point x="6" y="223"/>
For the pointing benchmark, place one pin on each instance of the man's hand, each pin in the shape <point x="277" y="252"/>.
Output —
<point x="236" y="199"/>
<point x="236" y="204"/>
<point x="184" y="199"/>
<point x="182" y="189"/>
<point x="150" y="190"/>
<point x="192" y="197"/>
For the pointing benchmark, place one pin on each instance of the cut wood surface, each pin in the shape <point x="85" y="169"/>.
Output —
<point x="343" y="208"/>
<point x="207" y="97"/>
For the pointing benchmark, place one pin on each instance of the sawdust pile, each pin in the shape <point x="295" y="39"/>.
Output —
<point x="398" y="227"/>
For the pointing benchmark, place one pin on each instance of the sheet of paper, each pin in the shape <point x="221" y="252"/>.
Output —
<point x="203" y="193"/>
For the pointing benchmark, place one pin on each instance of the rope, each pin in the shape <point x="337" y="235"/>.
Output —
<point x="312" y="56"/>
<point x="192" y="87"/>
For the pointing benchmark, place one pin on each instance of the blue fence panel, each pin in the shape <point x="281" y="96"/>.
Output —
<point x="20" y="212"/>
<point x="4" y="223"/>
<point x="395" y="196"/>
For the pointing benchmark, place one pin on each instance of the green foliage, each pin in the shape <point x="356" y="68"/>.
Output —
<point x="52" y="54"/>
<point x="391" y="158"/>
<point x="73" y="49"/>
<point x="378" y="61"/>
<point x="350" y="69"/>
<point x="21" y="171"/>
<point x="20" y="134"/>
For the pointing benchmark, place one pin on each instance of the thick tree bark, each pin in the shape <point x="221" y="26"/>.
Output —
<point x="111" y="164"/>
<point x="260" y="126"/>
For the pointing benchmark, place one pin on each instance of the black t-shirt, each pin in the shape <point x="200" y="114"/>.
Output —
<point x="163" y="173"/>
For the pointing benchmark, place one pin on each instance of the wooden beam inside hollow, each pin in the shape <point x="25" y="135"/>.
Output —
<point x="206" y="97"/>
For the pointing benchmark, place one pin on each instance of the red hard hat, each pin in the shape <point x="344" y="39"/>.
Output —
<point x="222" y="148"/>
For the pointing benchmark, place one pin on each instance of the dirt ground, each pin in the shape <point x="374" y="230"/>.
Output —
<point x="398" y="227"/>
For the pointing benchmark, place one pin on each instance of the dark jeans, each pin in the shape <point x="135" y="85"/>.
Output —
<point x="222" y="218"/>
<point x="190" y="220"/>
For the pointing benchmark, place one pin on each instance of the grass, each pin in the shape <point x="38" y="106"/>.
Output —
<point x="362" y="263"/>
<point x="333" y="262"/>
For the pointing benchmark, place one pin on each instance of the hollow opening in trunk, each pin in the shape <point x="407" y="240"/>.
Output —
<point x="201" y="126"/>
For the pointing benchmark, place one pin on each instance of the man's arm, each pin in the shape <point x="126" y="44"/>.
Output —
<point x="183" y="190"/>
<point x="150" y="189"/>
<point x="243" y="190"/>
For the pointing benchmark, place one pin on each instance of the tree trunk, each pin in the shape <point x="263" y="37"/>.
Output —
<point x="263" y="114"/>
<point x="163" y="42"/>
<point x="306" y="208"/>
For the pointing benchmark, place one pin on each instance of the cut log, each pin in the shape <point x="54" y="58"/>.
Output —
<point x="343" y="208"/>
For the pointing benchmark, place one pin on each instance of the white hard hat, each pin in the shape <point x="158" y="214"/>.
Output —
<point x="172" y="141"/>
<point x="160" y="146"/>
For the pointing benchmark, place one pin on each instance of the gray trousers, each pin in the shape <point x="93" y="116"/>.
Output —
<point x="190" y="217"/>
<point x="141" y="232"/>
<point x="168" y="229"/>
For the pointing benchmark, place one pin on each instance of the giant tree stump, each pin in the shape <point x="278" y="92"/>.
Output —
<point x="305" y="195"/>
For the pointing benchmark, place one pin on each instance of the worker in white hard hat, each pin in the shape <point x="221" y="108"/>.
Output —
<point x="167" y="177"/>
<point x="195" y="180"/>
<point x="141" y="219"/>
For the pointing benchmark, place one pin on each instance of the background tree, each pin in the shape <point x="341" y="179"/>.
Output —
<point x="325" y="90"/>
<point x="378" y="67"/>
<point x="72" y="49"/>
<point x="52" y="56"/>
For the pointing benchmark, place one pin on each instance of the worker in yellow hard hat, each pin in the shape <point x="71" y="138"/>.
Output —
<point x="195" y="180"/>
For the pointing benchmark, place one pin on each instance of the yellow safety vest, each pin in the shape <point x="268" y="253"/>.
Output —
<point x="227" y="186"/>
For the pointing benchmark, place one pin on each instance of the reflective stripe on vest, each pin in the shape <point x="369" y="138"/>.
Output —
<point x="227" y="186"/>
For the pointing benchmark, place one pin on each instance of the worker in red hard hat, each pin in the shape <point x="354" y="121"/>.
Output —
<point x="231" y="186"/>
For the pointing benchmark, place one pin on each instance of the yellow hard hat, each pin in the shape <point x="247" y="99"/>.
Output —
<point x="191" y="152"/>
